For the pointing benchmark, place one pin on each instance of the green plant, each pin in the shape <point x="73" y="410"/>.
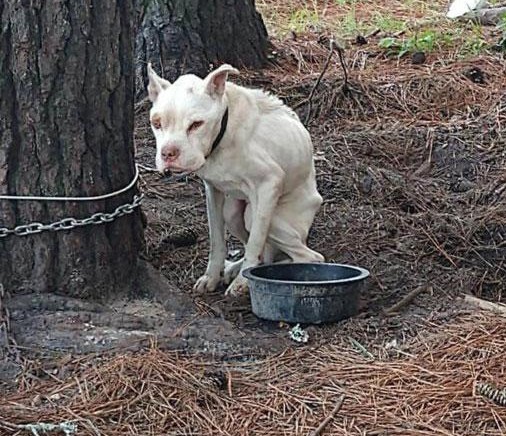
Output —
<point x="502" y="27"/>
<point x="302" y="19"/>
<point x="473" y="46"/>
<point x="350" y="24"/>
<point x="502" y="22"/>
<point x="388" y="23"/>
<point x="426" y="42"/>
<point x="474" y="43"/>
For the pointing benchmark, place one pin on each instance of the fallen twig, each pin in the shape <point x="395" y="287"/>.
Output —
<point x="439" y="248"/>
<point x="362" y="349"/>
<point x="372" y="34"/>
<point x="486" y="305"/>
<point x="405" y="300"/>
<point x="309" y="100"/>
<point x="324" y="423"/>
<point x="345" y="86"/>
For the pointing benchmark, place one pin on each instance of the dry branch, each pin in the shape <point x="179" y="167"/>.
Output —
<point x="331" y="416"/>
<point x="485" y="305"/>
<point x="405" y="300"/>
<point x="488" y="16"/>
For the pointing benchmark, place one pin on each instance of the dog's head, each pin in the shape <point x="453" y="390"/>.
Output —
<point x="186" y="117"/>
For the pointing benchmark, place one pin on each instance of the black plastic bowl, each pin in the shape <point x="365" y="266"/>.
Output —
<point x="310" y="293"/>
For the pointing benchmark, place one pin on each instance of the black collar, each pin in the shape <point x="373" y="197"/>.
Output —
<point x="218" y="139"/>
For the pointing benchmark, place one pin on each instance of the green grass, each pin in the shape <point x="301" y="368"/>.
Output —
<point x="388" y="23"/>
<point x="302" y="20"/>
<point x="422" y="24"/>
<point x="467" y="42"/>
<point x="349" y="24"/>
<point x="502" y="27"/>
<point x="474" y="43"/>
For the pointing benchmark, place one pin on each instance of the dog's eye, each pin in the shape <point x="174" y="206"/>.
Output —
<point x="156" y="123"/>
<point x="195" y="125"/>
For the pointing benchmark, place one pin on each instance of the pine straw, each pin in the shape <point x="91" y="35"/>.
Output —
<point x="386" y="88"/>
<point x="429" y="391"/>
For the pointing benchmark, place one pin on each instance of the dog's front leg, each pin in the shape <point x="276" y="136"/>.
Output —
<point x="218" y="250"/>
<point x="263" y="206"/>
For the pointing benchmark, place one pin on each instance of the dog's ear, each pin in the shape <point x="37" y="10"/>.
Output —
<point x="156" y="84"/>
<point x="215" y="81"/>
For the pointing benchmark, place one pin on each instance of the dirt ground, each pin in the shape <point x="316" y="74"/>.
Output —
<point x="411" y="164"/>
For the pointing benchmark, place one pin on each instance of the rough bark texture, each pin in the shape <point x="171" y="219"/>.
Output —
<point x="66" y="123"/>
<point x="181" y="36"/>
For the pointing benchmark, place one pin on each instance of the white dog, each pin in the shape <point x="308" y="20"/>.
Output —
<point x="256" y="160"/>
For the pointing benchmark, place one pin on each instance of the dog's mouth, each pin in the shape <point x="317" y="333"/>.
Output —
<point x="175" y="174"/>
<point x="168" y="172"/>
<point x="170" y="176"/>
<point x="178" y="171"/>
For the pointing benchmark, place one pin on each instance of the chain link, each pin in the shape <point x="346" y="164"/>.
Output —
<point x="71" y="223"/>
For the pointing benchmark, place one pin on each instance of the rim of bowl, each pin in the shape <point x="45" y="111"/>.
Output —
<point x="249" y="274"/>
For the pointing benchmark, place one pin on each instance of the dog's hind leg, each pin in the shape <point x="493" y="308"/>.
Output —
<point x="289" y="242"/>
<point x="233" y="213"/>
<point x="291" y="222"/>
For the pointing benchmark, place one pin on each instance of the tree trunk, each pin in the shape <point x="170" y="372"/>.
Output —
<point x="182" y="36"/>
<point x="66" y="124"/>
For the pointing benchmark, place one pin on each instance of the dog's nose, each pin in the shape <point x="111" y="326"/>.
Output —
<point x="170" y="153"/>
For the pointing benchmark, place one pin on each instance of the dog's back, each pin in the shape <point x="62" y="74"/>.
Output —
<point x="265" y="129"/>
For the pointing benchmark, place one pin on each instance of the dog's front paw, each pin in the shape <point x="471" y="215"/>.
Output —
<point x="207" y="282"/>
<point x="238" y="287"/>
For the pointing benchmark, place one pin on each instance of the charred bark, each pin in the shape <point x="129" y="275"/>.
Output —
<point x="66" y="126"/>
<point x="183" y="36"/>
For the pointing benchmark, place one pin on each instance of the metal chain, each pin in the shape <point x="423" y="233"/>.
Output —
<point x="71" y="223"/>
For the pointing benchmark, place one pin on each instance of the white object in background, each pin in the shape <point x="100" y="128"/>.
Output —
<point x="459" y="8"/>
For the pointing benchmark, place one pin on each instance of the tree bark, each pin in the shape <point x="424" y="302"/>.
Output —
<point x="183" y="36"/>
<point x="66" y="126"/>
